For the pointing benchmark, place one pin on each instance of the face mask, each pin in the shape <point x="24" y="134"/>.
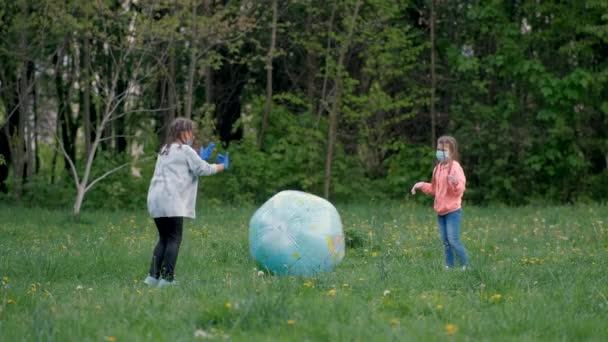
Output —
<point x="443" y="155"/>
<point x="189" y="142"/>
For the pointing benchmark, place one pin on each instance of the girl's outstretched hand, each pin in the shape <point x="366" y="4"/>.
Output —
<point x="415" y="187"/>
<point x="224" y="160"/>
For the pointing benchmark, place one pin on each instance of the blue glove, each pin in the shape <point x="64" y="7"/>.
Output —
<point x="221" y="159"/>
<point x="206" y="152"/>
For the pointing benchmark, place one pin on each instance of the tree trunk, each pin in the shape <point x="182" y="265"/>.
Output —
<point x="208" y="86"/>
<point x="119" y="123"/>
<point x="188" y="102"/>
<point x="433" y="76"/>
<point x="208" y="71"/>
<point x="11" y="98"/>
<point x="63" y="115"/>
<point x="311" y="63"/>
<point x="19" y="152"/>
<point x="86" y="95"/>
<point x="106" y="130"/>
<point x="80" y="192"/>
<point x="322" y="102"/>
<point x="172" y="93"/>
<point x="167" y="114"/>
<point x="335" y="110"/>
<point x="32" y="131"/>
<point x="269" y="59"/>
<point x="5" y="151"/>
<point x="63" y="105"/>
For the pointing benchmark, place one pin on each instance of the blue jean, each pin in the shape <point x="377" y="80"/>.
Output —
<point x="449" y="230"/>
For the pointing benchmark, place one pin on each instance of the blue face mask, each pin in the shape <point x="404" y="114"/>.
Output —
<point x="443" y="155"/>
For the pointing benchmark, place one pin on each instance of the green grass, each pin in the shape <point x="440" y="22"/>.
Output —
<point x="538" y="274"/>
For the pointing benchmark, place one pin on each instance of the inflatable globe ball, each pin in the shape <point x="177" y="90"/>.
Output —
<point x="296" y="233"/>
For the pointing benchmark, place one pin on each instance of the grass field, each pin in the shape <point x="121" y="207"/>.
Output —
<point x="538" y="274"/>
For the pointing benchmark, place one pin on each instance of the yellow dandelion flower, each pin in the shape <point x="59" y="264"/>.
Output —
<point x="291" y="321"/>
<point x="331" y="292"/>
<point x="439" y="307"/>
<point x="374" y="254"/>
<point x="451" y="329"/>
<point x="228" y="305"/>
<point x="308" y="284"/>
<point x="110" y="339"/>
<point x="394" y="321"/>
<point x="496" y="297"/>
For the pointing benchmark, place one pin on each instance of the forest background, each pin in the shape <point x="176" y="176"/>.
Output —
<point x="343" y="98"/>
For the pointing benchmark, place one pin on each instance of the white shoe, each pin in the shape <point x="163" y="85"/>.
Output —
<point x="165" y="283"/>
<point x="151" y="281"/>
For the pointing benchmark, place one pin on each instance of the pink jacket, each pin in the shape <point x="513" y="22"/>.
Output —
<point x="448" y="197"/>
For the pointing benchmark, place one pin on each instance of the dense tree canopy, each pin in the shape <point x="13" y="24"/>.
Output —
<point x="342" y="98"/>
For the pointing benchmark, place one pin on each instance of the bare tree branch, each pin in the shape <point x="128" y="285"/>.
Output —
<point x="68" y="159"/>
<point x="114" y="170"/>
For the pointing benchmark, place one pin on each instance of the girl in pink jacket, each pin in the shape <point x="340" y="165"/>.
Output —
<point x="447" y="185"/>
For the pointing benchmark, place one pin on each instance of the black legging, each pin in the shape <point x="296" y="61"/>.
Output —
<point x="167" y="248"/>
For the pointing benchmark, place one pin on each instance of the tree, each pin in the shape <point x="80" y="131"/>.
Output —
<point x="269" y="59"/>
<point x="337" y="100"/>
<point x="126" y="53"/>
<point x="24" y="38"/>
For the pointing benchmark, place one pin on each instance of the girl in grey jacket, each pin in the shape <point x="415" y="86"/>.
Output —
<point x="172" y="195"/>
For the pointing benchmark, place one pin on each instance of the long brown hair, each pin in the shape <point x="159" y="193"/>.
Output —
<point x="178" y="126"/>
<point x="452" y="144"/>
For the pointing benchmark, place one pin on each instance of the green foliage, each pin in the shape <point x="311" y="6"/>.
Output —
<point x="525" y="104"/>
<point x="407" y="165"/>
<point x="354" y="238"/>
<point x="521" y="85"/>
<point x="293" y="158"/>
<point x="122" y="189"/>
<point x="37" y="192"/>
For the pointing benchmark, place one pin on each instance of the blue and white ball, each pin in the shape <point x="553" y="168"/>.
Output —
<point x="296" y="233"/>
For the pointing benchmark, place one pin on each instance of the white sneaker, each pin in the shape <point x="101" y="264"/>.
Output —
<point x="151" y="281"/>
<point x="165" y="283"/>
